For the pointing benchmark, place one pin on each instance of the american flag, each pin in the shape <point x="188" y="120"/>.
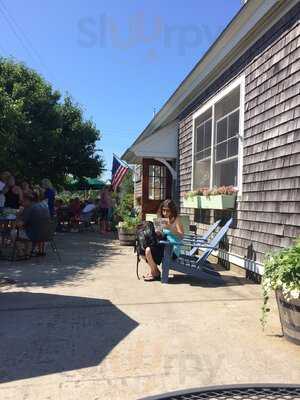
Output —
<point x="118" y="172"/>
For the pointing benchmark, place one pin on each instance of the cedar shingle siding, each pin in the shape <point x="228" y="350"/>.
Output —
<point x="138" y="184"/>
<point x="269" y="211"/>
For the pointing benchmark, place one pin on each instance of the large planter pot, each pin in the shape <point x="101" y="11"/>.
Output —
<point x="192" y="202"/>
<point x="289" y="312"/>
<point x="126" y="238"/>
<point x="218" y="202"/>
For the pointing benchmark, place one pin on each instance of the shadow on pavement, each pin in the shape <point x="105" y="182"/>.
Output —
<point x="227" y="280"/>
<point x="79" y="254"/>
<point x="42" y="334"/>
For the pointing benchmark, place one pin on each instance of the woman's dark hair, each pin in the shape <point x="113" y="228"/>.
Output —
<point x="168" y="204"/>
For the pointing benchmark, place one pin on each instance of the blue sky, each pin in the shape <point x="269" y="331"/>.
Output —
<point x="119" y="59"/>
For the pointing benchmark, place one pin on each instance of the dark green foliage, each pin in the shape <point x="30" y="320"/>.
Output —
<point x="125" y="206"/>
<point x="126" y="200"/>
<point x="40" y="135"/>
<point x="127" y="184"/>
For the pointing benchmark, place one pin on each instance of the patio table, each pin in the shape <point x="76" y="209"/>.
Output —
<point x="235" y="392"/>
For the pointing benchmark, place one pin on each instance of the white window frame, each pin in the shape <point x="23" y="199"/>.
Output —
<point x="224" y="141"/>
<point x="203" y="123"/>
<point x="240" y="81"/>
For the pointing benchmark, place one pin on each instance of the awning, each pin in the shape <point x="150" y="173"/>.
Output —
<point x="161" y="144"/>
<point x="85" y="183"/>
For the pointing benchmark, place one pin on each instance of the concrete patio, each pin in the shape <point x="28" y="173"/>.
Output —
<point x="88" y="329"/>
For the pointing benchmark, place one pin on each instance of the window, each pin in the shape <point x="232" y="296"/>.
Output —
<point x="217" y="142"/>
<point x="157" y="182"/>
<point x="203" y="135"/>
<point x="227" y="113"/>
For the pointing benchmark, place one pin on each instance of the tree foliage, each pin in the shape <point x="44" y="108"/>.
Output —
<point x="41" y="134"/>
<point x="127" y="186"/>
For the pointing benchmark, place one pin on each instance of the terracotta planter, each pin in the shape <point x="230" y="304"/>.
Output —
<point x="218" y="202"/>
<point x="126" y="238"/>
<point x="192" y="202"/>
<point x="289" y="313"/>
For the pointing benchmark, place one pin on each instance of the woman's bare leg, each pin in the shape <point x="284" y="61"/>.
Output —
<point x="153" y="266"/>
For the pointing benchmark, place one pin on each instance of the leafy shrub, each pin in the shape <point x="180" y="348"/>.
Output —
<point x="129" y="223"/>
<point x="282" y="272"/>
<point x="125" y="207"/>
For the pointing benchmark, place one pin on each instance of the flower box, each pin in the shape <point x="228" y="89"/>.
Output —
<point x="218" y="202"/>
<point x="192" y="202"/>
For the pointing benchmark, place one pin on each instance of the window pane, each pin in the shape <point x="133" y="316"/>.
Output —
<point x="226" y="173"/>
<point x="202" y="173"/>
<point x="221" y="151"/>
<point x="203" y="117"/>
<point x="200" y="138"/>
<point x="233" y="128"/>
<point x="228" y="103"/>
<point x="157" y="182"/>
<point x="151" y="193"/>
<point x="206" y="153"/>
<point x="202" y="155"/>
<point x="207" y="134"/>
<point x="222" y="130"/>
<point x="233" y="147"/>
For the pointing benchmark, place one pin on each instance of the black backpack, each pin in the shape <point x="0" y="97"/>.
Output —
<point x="145" y="237"/>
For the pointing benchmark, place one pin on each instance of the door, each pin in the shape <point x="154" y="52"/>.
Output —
<point x="157" y="185"/>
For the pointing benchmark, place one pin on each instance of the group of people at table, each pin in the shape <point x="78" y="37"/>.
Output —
<point x="25" y="209"/>
<point x="77" y="211"/>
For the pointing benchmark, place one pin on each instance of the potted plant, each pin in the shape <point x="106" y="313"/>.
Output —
<point x="219" y="198"/>
<point x="192" y="199"/>
<point x="127" y="230"/>
<point x="282" y="274"/>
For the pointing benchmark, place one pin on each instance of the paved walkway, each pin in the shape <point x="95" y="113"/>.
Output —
<point x="88" y="329"/>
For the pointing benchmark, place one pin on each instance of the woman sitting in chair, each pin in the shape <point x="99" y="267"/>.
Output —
<point x="173" y="231"/>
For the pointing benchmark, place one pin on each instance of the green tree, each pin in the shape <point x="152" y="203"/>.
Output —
<point x="42" y="135"/>
<point x="126" y="200"/>
<point x="127" y="186"/>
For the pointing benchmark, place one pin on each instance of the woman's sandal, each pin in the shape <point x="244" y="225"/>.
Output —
<point x="151" y="278"/>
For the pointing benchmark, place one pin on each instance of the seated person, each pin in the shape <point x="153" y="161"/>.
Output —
<point x="173" y="231"/>
<point x="60" y="214"/>
<point x="89" y="207"/>
<point x="88" y="212"/>
<point x="13" y="195"/>
<point x="75" y="211"/>
<point x="31" y="221"/>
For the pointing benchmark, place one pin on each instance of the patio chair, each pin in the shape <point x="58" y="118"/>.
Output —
<point x="85" y="221"/>
<point x="44" y="234"/>
<point x="190" y="264"/>
<point x="195" y="241"/>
